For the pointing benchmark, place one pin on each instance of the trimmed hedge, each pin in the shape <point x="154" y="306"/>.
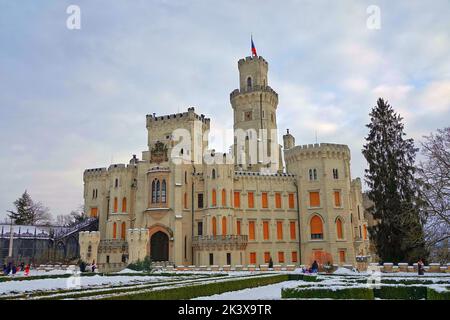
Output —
<point x="208" y="289"/>
<point x="320" y="293"/>
<point x="436" y="295"/>
<point x="401" y="292"/>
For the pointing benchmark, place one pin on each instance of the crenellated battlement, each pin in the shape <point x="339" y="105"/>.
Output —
<point x="328" y="150"/>
<point x="89" y="237"/>
<point x="185" y="116"/>
<point x="262" y="175"/>
<point x="253" y="89"/>
<point x="252" y="59"/>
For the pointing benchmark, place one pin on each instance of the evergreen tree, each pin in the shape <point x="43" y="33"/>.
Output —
<point x="24" y="210"/>
<point x="29" y="212"/>
<point x="398" y="236"/>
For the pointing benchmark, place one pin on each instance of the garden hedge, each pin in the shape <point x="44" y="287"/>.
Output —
<point x="401" y="292"/>
<point x="437" y="295"/>
<point x="207" y="289"/>
<point x="320" y="293"/>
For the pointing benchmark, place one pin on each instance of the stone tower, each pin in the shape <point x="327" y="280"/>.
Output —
<point x="254" y="104"/>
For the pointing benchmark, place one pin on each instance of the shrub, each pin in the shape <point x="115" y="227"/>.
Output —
<point x="432" y="294"/>
<point x="207" y="289"/>
<point x="320" y="293"/>
<point x="401" y="292"/>
<point x="139" y="265"/>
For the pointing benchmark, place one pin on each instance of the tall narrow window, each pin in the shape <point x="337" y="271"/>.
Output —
<point x="310" y="174"/>
<point x="224" y="226"/>
<point x="214" y="198"/>
<point x="158" y="191"/>
<point x="315" y="174"/>
<point x="114" y="230"/>
<point x="251" y="230"/>
<point x="314" y="199"/>
<point x="185" y="203"/>
<point x="200" y="200"/>
<point x="185" y="177"/>
<point x="294" y="256"/>
<point x="154" y="191"/>
<point x="340" y="234"/>
<point x="116" y="204"/>
<point x="122" y="231"/>
<point x="213" y="173"/>
<point x="291" y="201"/>
<point x="252" y="257"/>
<point x="93" y="194"/>
<point x="237" y="199"/>
<point x="94" y="212"/>
<point x="266" y="257"/>
<point x="365" y="232"/>
<point x="279" y="230"/>
<point x="224" y="198"/>
<point x="292" y="230"/>
<point x="200" y="228"/>
<point x="265" y="203"/>
<point x="266" y="230"/>
<point x="251" y="200"/>
<point x="116" y="183"/>
<point x="163" y="191"/>
<point x="124" y="204"/>
<point x="238" y="227"/>
<point x="249" y="83"/>
<point x="337" y="199"/>
<point x="316" y="228"/>
<point x="278" y="200"/>
<point x="214" y="226"/>
<point x="281" y="257"/>
<point x="342" y="256"/>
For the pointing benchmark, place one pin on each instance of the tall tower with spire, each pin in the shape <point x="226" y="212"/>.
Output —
<point x="255" y="119"/>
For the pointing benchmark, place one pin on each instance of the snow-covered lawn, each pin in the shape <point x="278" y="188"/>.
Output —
<point x="270" y="292"/>
<point x="69" y="283"/>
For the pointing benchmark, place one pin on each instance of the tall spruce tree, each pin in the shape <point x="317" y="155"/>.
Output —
<point x="398" y="236"/>
<point x="24" y="210"/>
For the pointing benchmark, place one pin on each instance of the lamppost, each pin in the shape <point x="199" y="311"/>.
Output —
<point x="11" y="242"/>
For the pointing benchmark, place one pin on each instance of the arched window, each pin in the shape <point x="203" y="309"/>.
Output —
<point x="310" y="174"/>
<point x="224" y="198"/>
<point x="116" y="204"/>
<point x="214" y="198"/>
<point x="122" y="231"/>
<point x="158" y="191"/>
<point x="154" y="191"/>
<point x="315" y="174"/>
<point x="114" y="230"/>
<point x="163" y="191"/>
<point x="213" y="173"/>
<point x="124" y="204"/>
<point x="249" y="83"/>
<point x="316" y="228"/>
<point x="224" y="226"/>
<point x="214" y="226"/>
<point x="339" y="229"/>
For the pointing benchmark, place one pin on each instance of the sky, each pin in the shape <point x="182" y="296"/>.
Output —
<point x="77" y="99"/>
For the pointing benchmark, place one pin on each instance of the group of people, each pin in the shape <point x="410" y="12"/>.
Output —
<point x="12" y="269"/>
<point x="89" y="267"/>
<point x="314" y="268"/>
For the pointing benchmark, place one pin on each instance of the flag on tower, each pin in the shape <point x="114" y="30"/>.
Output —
<point x="253" y="48"/>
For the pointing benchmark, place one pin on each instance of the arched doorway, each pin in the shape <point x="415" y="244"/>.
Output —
<point x="159" y="247"/>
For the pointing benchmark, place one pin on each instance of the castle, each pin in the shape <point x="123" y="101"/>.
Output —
<point x="185" y="204"/>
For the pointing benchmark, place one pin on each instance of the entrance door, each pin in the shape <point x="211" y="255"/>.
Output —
<point x="159" y="247"/>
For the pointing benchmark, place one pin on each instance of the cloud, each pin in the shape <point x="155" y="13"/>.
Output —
<point x="78" y="99"/>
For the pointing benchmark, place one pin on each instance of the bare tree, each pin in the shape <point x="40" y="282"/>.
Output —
<point x="434" y="172"/>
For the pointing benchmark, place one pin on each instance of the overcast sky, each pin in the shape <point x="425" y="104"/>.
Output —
<point x="76" y="99"/>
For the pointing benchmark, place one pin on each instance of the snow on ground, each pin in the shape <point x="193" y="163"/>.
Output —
<point x="126" y="270"/>
<point x="269" y="292"/>
<point x="67" y="283"/>
<point x="344" y="271"/>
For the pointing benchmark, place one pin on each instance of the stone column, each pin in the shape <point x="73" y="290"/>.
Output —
<point x="178" y="241"/>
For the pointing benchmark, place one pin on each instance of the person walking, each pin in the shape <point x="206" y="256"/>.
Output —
<point x="94" y="266"/>
<point x="27" y="270"/>
<point x="314" y="267"/>
<point x="420" y="267"/>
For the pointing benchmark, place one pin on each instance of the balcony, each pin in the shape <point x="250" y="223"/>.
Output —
<point x="230" y="242"/>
